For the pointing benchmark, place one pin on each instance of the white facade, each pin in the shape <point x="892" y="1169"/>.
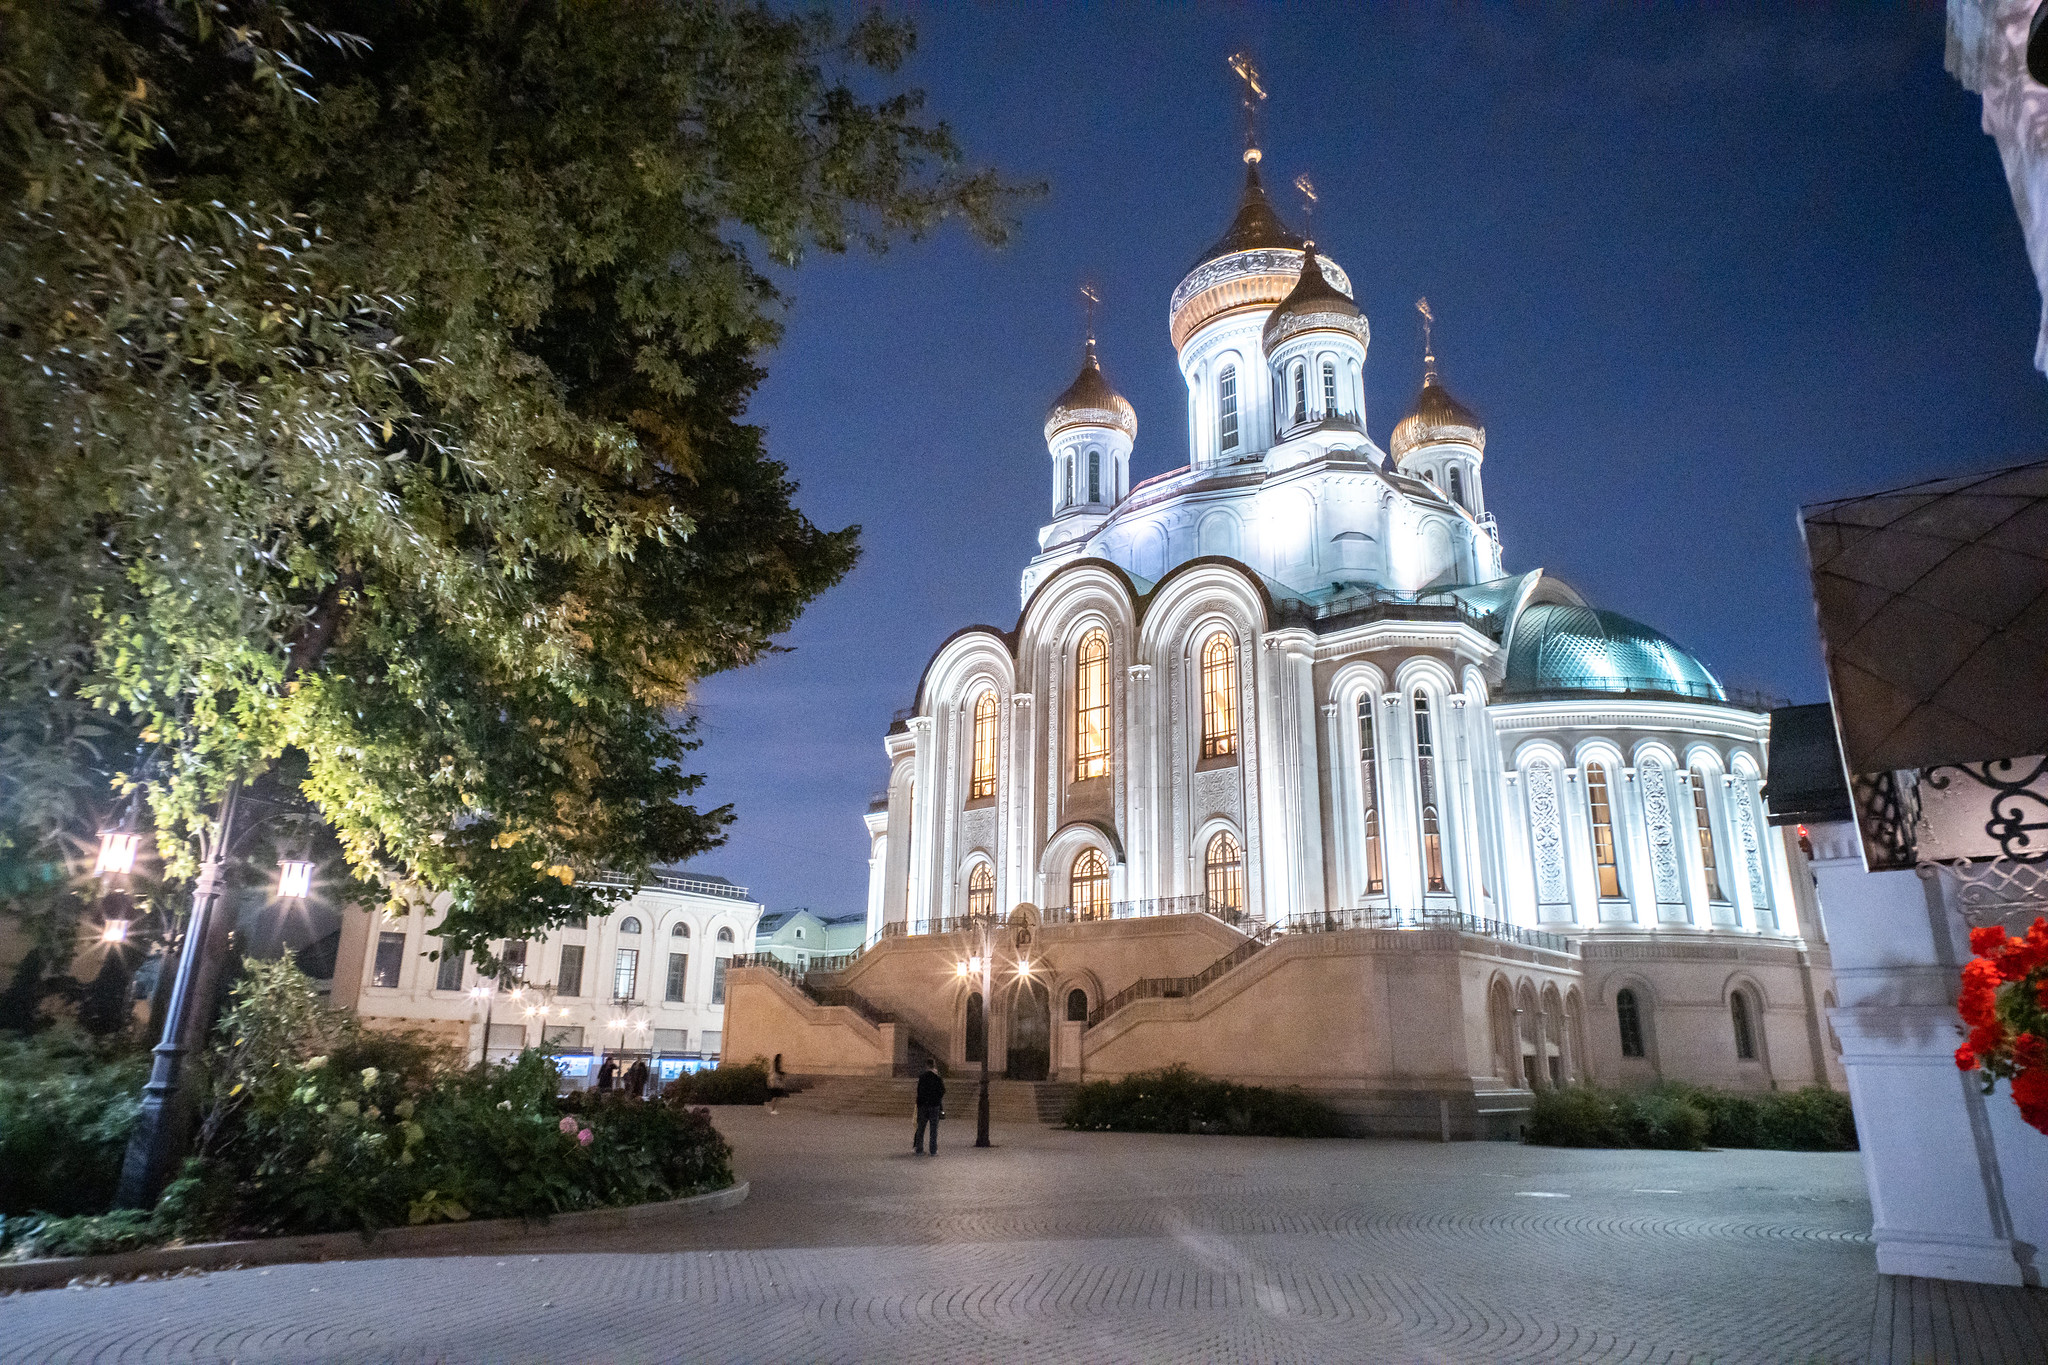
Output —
<point x="1411" y="729"/>
<point x="646" y="979"/>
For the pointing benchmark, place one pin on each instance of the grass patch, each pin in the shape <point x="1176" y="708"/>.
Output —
<point x="1176" y="1100"/>
<point x="1683" y="1117"/>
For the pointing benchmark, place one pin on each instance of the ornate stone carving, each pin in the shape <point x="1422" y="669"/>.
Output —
<point x="1217" y="792"/>
<point x="1239" y="265"/>
<point x="1752" y="855"/>
<point x="978" y="830"/>
<point x="1546" y="837"/>
<point x="1663" y="842"/>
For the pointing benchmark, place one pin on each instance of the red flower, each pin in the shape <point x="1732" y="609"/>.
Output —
<point x="1966" y="1060"/>
<point x="2004" y="1001"/>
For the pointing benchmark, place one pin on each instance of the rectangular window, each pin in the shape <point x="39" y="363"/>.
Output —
<point x="568" y="1037"/>
<point x="671" y="1040"/>
<point x="1069" y="462"/>
<point x="1300" y="394"/>
<point x="712" y="1043"/>
<point x="1095" y="476"/>
<point x="678" y="976"/>
<point x="718" y="981"/>
<point x="1226" y="405"/>
<point x="1369" y="798"/>
<point x="1698" y="783"/>
<point x="1329" y="389"/>
<point x="1425" y="781"/>
<point x="625" y="973"/>
<point x="981" y="784"/>
<point x="390" y="957"/>
<point x="515" y="960"/>
<point x="569" y="981"/>
<point x="1604" y="863"/>
<point x="449" y="977"/>
<point x="1091" y="708"/>
<point x="1219" y="698"/>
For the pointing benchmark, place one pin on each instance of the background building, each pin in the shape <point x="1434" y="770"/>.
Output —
<point x="647" y="980"/>
<point x="801" y="936"/>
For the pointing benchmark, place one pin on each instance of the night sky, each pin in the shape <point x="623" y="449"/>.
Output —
<point x="1691" y="270"/>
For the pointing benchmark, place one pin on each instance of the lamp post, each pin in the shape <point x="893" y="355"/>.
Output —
<point x="979" y="966"/>
<point x="487" y="992"/>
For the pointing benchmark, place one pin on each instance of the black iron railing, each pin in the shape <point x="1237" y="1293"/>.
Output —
<point x="818" y="993"/>
<point x="1175" y="987"/>
<point x="1370" y="917"/>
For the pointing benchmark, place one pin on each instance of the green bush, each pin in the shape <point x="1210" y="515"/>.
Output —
<point x="67" y="1105"/>
<point x="735" y="1083"/>
<point x="1689" y="1117"/>
<point x="1177" y="1100"/>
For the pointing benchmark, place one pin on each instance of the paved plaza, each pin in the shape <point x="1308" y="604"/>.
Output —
<point x="1061" y="1246"/>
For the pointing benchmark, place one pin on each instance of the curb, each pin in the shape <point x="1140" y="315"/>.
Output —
<point x="353" y="1246"/>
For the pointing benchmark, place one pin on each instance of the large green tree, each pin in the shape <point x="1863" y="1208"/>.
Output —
<point x="374" y="388"/>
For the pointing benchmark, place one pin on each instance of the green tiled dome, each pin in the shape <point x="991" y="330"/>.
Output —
<point x="1560" y="648"/>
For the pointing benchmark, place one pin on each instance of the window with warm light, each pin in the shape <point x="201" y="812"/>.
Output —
<point x="1223" y="873"/>
<point x="981" y="784"/>
<point x="1704" y="822"/>
<point x="1425" y="780"/>
<point x="1226" y="406"/>
<point x="1091" y="707"/>
<point x="1088" y="886"/>
<point x="981" y="890"/>
<point x="1219" y="697"/>
<point x="1369" y="798"/>
<point x="1605" y="866"/>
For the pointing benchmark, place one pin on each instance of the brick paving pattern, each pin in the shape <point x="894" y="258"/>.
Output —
<point x="1111" y="1247"/>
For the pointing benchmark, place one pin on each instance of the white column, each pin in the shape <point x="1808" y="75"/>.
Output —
<point x="1516" y="853"/>
<point x="1686" y="830"/>
<point x="1468" y="850"/>
<point x="1307" y="833"/>
<point x="1402" y="818"/>
<point x="1023" y="843"/>
<point x="1347" y="887"/>
<point x="922" y="805"/>
<point x="1632" y="830"/>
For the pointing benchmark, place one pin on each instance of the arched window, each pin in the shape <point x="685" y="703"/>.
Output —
<point x="1088" y="886"/>
<point x="1219" y="697"/>
<point x="629" y="925"/>
<point x="1226" y="408"/>
<point x="1069" y="464"/>
<point x="977" y="1028"/>
<point x="1425" y="778"/>
<point x="981" y="890"/>
<point x="725" y="935"/>
<point x="1630" y="1016"/>
<point x="1329" y="388"/>
<point x="681" y="930"/>
<point x="1705" y="823"/>
<point x="1300" y="392"/>
<point x="1369" y="798"/>
<point x="1457" y="487"/>
<point x="1077" y="1006"/>
<point x="1745" y="1030"/>
<point x="1091" y="707"/>
<point x="1605" y="867"/>
<point x="1095" y="476"/>
<point x="1223" y="868"/>
<point x="981" y="783"/>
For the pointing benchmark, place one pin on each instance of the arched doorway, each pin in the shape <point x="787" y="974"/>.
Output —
<point x="1030" y="1034"/>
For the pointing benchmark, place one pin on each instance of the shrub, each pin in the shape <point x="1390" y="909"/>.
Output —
<point x="734" y="1083"/>
<point x="67" y="1105"/>
<point x="1689" y="1117"/>
<point x="1177" y="1100"/>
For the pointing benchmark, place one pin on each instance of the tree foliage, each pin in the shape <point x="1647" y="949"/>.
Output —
<point x="374" y="389"/>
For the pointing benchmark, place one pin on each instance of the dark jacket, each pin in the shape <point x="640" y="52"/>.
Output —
<point x="930" y="1090"/>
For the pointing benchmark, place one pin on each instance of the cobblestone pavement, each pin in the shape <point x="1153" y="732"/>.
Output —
<point x="1087" y="1247"/>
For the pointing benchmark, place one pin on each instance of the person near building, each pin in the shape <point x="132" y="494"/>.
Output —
<point x="636" y="1079"/>
<point x="778" y="1084"/>
<point x="608" y="1073"/>
<point x="931" y="1094"/>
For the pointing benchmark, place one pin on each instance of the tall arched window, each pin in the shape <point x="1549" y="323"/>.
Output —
<point x="1300" y="392"/>
<point x="1095" y="476"/>
<point x="1705" y="824"/>
<point x="1226" y="409"/>
<point x="1745" y="1030"/>
<point x="1088" y="886"/>
<point x="1605" y="867"/>
<point x="1223" y="873"/>
<point x="1069" y="463"/>
<point x="1219" y="697"/>
<point x="1369" y="798"/>
<point x="1457" y="487"/>
<point x="1091" y="707"/>
<point x="981" y="784"/>
<point x="1425" y="778"/>
<point x="1630" y="1016"/>
<point x="981" y="890"/>
<point x="1329" y="388"/>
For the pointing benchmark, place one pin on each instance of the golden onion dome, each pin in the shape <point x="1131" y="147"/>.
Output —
<point x="1313" y="305"/>
<point x="1437" y="417"/>
<point x="1253" y="265"/>
<point x="1090" y="402"/>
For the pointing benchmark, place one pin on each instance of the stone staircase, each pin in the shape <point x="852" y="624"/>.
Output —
<point x="896" y="1097"/>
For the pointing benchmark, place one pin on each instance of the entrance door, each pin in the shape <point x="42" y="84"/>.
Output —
<point x="1031" y="1034"/>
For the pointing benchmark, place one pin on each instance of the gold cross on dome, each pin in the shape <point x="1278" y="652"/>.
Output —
<point x="1094" y="301"/>
<point x="1254" y="91"/>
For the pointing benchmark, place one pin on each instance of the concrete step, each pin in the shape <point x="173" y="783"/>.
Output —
<point x="896" y="1097"/>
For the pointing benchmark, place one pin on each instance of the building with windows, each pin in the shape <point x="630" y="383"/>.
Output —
<point x="801" y="936"/>
<point x="648" y="980"/>
<point x="1282" y="773"/>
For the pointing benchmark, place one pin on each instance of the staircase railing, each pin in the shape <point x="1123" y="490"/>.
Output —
<point x="1372" y="917"/>
<point x="1175" y="987"/>
<point x="821" y="995"/>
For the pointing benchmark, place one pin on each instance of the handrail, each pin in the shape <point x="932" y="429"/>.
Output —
<point x="1373" y="917"/>
<point x="1170" y="987"/>
<point x="820" y="995"/>
<point x="691" y="885"/>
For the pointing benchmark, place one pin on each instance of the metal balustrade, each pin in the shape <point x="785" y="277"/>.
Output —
<point x="1370" y="917"/>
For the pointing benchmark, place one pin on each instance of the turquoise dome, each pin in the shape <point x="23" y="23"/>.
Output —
<point x="1561" y="648"/>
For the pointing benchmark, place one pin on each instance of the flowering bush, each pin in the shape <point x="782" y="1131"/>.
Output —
<point x="2005" y="1003"/>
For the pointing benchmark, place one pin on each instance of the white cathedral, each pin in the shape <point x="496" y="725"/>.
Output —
<point x="1280" y="773"/>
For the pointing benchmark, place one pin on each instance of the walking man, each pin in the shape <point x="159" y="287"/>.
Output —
<point x="931" y="1094"/>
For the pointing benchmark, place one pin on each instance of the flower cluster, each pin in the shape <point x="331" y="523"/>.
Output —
<point x="2005" y="1003"/>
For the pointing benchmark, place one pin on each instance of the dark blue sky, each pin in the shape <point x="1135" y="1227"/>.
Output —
<point x="1692" y="269"/>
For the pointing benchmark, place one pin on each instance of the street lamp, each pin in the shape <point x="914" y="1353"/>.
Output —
<point x="117" y="853"/>
<point x="294" y="879"/>
<point x="486" y="992"/>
